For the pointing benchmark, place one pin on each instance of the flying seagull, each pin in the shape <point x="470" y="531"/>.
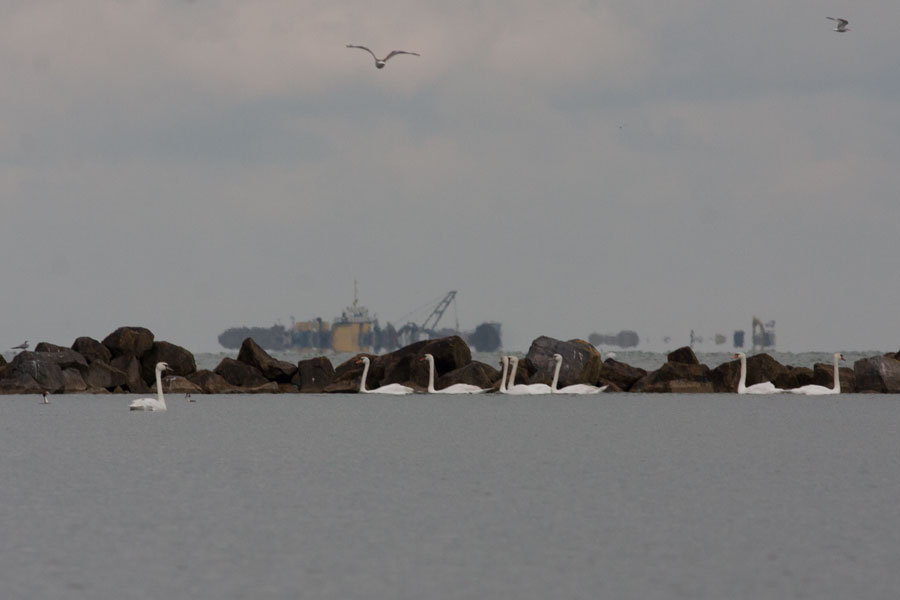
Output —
<point x="22" y="346"/>
<point x="841" y="26"/>
<point x="379" y="62"/>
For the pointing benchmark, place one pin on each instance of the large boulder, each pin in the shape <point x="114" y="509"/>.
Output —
<point x="47" y="347"/>
<point x="876" y="374"/>
<point x="684" y="355"/>
<point x="240" y="374"/>
<point x="793" y="377"/>
<point x="73" y="382"/>
<point x="272" y="369"/>
<point x="92" y="350"/>
<point x="347" y="375"/>
<point x="102" y="375"/>
<point x="20" y="383"/>
<point x="474" y="373"/>
<point x="581" y="363"/>
<point x="760" y="368"/>
<point x="313" y="375"/>
<point x="176" y="384"/>
<point x="672" y="371"/>
<point x="66" y="358"/>
<point x="620" y="374"/>
<point x="181" y="362"/>
<point x="823" y="375"/>
<point x="212" y="383"/>
<point x="131" y="366"/>
<point x="41" y="367"/>
<point x="135" y="341"/>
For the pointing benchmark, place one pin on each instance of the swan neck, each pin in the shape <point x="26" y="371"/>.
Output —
<point x="159" y="390"/>
<point x="430" y="360"/>
<point x="837" y="375"/>
<point x="513" y="367"/>
<point x="742" y="384"/>
<point x="556" y="374"/>
<point x="505" y="362"/>
<point x="362" y="381"/>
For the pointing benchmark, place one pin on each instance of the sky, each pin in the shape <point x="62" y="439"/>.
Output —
<point x="567" y="167"/>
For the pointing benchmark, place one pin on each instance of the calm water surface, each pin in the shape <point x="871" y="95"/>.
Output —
<point x="346" y="497"/>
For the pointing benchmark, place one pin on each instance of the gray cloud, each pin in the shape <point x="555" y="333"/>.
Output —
<point x="570" y="168"/>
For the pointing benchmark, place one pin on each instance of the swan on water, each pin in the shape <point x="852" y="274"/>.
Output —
<point x="821" y="390"/>
<point x="578" y="388"/>
<point x="158" y="403"/>
<point x="391" y="388"/>
<point x="504" y="360"/>
<point x="841" y="26"/>
<point x="766" y="387"/>
<point x="456" y="388"/>
<point x="379" y="62"/>
<point x="522" y="389"/>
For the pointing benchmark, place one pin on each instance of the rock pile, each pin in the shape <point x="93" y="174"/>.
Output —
<point x="124" y="362"/>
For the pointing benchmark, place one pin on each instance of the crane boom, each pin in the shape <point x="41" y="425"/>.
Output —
<point x="438" y="311"/>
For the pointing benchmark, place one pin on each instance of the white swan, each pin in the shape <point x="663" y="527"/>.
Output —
<point x="158" y="403"/>
<point x="379" y="62"/>
<point x="766" y="387"/>
<point x="391" y="388"/>
<point x="533" y="389"/>
<point x="821" y="390"/>
<point x="456" y="388"/>
<point x="578" y="388"/>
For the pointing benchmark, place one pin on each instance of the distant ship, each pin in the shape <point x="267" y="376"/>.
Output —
<point x="357" y="331"/>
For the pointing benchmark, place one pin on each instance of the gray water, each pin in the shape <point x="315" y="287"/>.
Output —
<point x="346" y="497"/>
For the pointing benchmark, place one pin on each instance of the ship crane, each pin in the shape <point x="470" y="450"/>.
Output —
<point x="411" y="332"/>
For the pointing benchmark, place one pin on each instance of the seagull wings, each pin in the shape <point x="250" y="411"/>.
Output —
<point x="363" y="48"/>
<point x="396" y="52"/>
<point x="841" y="23"/>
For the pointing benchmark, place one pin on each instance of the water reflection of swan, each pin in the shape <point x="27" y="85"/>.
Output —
<point x="578" y="388"/>
<point x="766" y="387"/>
<point x="456" y="388"/>
<point x="391" y="388"/>
<point x="534" y="389"/>
<point x="158" y="403"/>
<point x="821" y="390"/>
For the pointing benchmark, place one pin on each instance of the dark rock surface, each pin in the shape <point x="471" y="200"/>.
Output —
<point x="760" y="368"/>
<point x="622" y="375"/>
<point x="131" y="366"/>
<point x="823" y="374"/>
<point x="135" y="341"/>
<point x="474" y="373"/>
<point x="40" y="366"/>
<point x="793" y="377"/>
<point x="102" y="375"/>
<point x="48" y="347"/>
<point x="683" y="355"/>
<point x="877" y="374"/>
<point x="92" y="350"/>
<point x="252" y="354"/>
<point x="581" y="361"/>
<point x="672" y="371"/>
<point x="240" y="374"/>
<point x="313" y="375"/>
<point x="181" y="362"/>
<point x="212" y="383"/>
<point x="73" y="382"/>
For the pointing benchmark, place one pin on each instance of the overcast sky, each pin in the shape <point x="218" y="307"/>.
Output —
<point x="568" y="167"/>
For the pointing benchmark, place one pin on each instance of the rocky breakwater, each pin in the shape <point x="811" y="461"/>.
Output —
<point x="123" y="362"/>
